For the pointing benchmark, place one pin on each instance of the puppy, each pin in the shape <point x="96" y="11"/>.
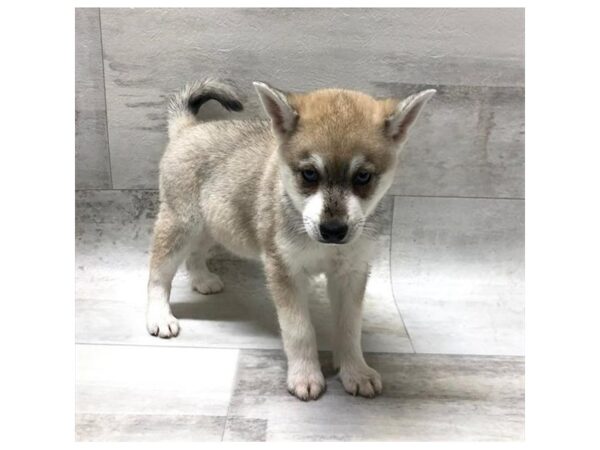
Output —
<point x="298" y="192"/>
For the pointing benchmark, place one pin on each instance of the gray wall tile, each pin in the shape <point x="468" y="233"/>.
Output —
<point x="468" y="142"/>
<point x="92" y="161"/>
<point x="150" y="53"/>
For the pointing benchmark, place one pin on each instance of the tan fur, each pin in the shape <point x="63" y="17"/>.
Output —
<point x="340" y="124"/>
<point x="240" y="183"/>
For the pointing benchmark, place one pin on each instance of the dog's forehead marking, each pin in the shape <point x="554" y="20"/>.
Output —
<point x="317" y="161"/>
<point x="356" y="162"/>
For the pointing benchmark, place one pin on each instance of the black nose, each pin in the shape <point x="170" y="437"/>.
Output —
<point x="333" y="231"/>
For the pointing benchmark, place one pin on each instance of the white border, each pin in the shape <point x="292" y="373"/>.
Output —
<point x="561" y="206"/>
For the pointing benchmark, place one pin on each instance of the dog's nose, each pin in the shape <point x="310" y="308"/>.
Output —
<point x="333" y="231"/>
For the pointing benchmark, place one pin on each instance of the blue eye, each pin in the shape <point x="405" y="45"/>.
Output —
<point x="310" y="175"/>
<point x="362" y="177"/>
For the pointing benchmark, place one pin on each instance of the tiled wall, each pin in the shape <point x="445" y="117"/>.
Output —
<point x="469" y="142"/>
<point x="91" y="141"/>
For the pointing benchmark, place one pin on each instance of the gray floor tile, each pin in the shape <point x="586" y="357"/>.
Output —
<point x="425" y="398"/>
<point x="245" y="430"/>
<point x="137" y="380"/>
<point x="148" y="428"/>
<point x="92" y="161"/>
<point x="458" y="274"/>
<point x="113" y="234"/>
<point x="468" y="249"/>
<point x="139" y="76"/>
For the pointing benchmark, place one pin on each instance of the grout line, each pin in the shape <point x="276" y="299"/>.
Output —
<point x="105" y="101"/>
<point x="513" y="86"/>
<point x="391" y="282"/>
<point x="390" y="195"/>
<point x="457" y="196"/>
<point x="234" y="384"/>
<point x="240" y="349"/>
<point x="134" y="344"/>
<point x="117" y="189"/>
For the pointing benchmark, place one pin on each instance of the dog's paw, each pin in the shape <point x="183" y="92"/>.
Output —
<point x="307" y="385"/>
<point x="162" y="324"/>
<point x="210" y="283"/>
<point x="361" y="380"/>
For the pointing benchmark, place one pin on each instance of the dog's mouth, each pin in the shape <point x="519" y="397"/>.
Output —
<point x="323" y="241"/>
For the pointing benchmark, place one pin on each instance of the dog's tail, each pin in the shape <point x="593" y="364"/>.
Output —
<point x="184" y="105"/>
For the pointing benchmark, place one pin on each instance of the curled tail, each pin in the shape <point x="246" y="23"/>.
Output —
<point x="184" y="105"/>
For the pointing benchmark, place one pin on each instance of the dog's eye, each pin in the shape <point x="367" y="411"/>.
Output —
<point x="362" y="177"/>
<point x="310" y="175"/>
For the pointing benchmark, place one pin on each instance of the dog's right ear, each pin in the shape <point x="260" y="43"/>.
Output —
<point x="283" y="116"/>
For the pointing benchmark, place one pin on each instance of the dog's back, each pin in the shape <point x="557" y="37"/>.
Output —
<point x="211" y="172"/>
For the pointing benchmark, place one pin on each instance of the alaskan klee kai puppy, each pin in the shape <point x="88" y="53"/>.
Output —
<point x="298" y="193"/>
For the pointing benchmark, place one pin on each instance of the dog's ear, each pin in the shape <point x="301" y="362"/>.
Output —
<point x="405" y="115"/>
<point x="277" y="106"/>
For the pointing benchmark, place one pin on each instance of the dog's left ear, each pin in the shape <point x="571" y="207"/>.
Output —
<point x="405" y="115"/>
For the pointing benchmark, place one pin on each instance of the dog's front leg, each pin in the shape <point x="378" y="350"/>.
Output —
<point x="346" y="292"/>
<point x="304" y="377"/>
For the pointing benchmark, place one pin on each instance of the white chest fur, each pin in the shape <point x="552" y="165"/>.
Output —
<point x="312" y="258"/>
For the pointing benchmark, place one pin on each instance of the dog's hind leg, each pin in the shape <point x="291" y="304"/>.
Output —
<point x="170" y="245"/>
<point x="203" y="280"/>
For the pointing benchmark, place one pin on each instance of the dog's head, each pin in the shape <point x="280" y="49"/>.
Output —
<point x="338" y="151"/>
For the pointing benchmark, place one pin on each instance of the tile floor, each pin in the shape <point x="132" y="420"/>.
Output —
<point x="443" y="323"/>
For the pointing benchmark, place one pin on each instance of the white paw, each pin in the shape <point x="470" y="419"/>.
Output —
<point x="208" y="284"/>
<point x="307" y="384"/>
<point x="162" y="324"/>
<point x="361" y="380"/>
